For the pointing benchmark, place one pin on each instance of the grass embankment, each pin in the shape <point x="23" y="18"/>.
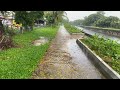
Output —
<point x="72" y="29"/>
<point x="19" y="63"/>
<point x="108" y="50"/>
<point x="102" y="28"/>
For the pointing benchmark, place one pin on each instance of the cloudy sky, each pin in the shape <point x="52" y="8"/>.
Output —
<point x="73" y="15"/>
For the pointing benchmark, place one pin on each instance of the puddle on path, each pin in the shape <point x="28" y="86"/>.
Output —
<point x="40" y="41"/>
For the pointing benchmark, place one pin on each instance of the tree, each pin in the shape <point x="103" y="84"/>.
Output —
<point x="49" y="17"/>
<point x="27" y="18"/>
<point x="77" y="22"/>
<point x="59" y="16"/>
<point x="55" y="17"/>
<point x="110" y="21"/>
<point x="91" y="19"/>
<point x="101" y="22"/>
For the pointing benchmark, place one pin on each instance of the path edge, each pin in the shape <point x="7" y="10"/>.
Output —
<point x="104" y="68"/>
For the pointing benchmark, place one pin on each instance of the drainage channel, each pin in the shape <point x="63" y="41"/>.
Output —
<point x="85" y="67"/>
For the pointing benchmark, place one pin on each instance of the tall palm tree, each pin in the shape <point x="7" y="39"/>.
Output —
<point x="55" y="17"/>
<point x="59" y="16"/>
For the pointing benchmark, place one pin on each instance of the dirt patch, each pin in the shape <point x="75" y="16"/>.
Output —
<point x="40" y="41"/>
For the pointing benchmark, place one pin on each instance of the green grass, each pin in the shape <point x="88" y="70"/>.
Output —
<point x="108" y="50"/>
<point x="19" y="63"/>
<point x="71" y="29"/>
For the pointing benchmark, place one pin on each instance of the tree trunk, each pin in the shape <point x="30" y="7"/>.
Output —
<point x="21" y="29"/>
<point x="31" y="27"/>
<point x="1" y="29"/>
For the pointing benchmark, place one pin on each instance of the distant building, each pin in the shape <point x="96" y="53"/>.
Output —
<point x="40" y="23"/>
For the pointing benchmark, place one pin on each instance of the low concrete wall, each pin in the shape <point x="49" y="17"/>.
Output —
<point x="104" y="68"/>
<point x="105" y="31"/>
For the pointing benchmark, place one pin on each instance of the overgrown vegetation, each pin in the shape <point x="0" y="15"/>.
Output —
<point x="78" y="22"/>
<point x="25" y="21"/>
<point x="27" y="18"/>
<point x="19" y="63"/>
<point x="72" y="29"/>
<point x="107" y="49"/>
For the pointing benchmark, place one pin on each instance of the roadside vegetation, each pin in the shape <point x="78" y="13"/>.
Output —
<point x="72" y="29"/>
<point x="18" y="56"/>
<point x="20" y="62"/>
<point x="107" y="49"/>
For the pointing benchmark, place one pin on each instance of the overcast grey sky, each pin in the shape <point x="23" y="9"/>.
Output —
<point x="73" y="15"/>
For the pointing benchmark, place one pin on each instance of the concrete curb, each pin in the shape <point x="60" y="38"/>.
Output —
<point x="104" y="68"/>
<point x="106" y="31"/>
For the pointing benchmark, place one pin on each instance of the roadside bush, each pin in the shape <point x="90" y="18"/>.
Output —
<point x="107" y="49"/>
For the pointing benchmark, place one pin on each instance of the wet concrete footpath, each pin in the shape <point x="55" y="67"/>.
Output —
<point x="65" y="60"/>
